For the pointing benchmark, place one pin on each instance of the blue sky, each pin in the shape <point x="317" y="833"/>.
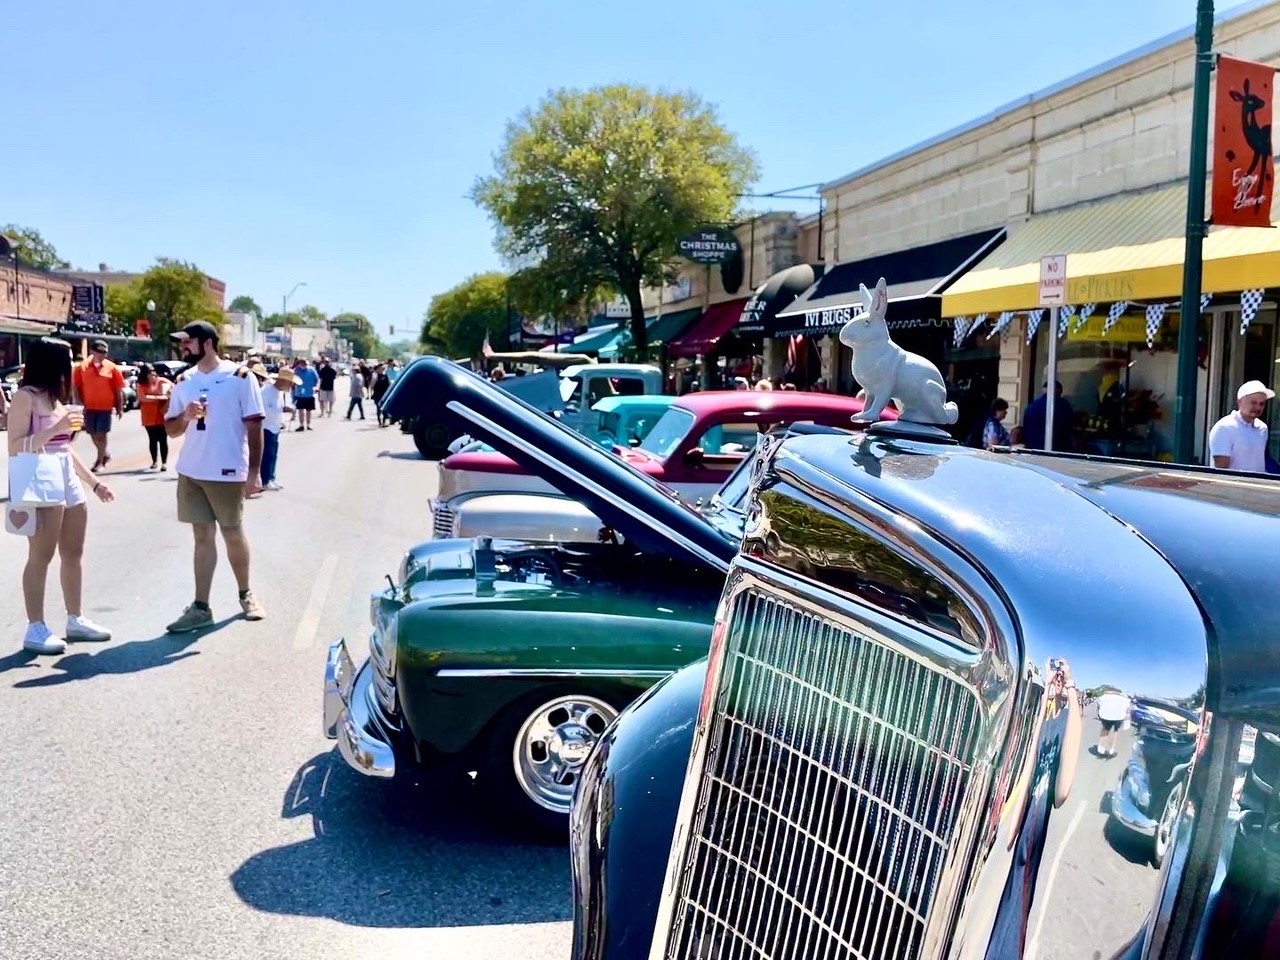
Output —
<point x="273" y="142"/>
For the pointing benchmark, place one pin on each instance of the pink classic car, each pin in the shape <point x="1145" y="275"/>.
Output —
<point x="692" y="448"/>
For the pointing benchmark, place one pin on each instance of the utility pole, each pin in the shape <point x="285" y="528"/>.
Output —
<point x="1184" y="435"/>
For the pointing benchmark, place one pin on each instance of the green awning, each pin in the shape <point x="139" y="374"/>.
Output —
<point x="667" y="327"/>
<point x="595" y="342"/>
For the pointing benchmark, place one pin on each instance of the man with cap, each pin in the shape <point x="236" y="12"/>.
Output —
<point x="1239" y="440"/>
<point x="216" y="407"/>
<point x="99" y="388"/>
<point x="277" y="400"/>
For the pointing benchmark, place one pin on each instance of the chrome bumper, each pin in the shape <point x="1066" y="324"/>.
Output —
<point x="349" y="717"/>
<point x="1126" y="810"/>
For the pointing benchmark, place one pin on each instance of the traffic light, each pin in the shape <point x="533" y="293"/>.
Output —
<point x="393" y="331"/>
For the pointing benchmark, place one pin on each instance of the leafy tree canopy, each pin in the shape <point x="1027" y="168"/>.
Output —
<point x="458" y="319"/>
<point x="593" y="189"/>
<point x="244" y="304"/>
<point x="33" y="249"/>
<point x="180" y="293"/>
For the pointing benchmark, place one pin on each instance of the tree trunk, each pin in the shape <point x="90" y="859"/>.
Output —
<point x="639" y="332"/>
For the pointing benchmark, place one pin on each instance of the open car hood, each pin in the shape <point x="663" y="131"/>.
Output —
<point x="436" y="390"/>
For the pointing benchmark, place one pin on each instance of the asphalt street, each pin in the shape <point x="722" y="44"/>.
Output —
<point x="174" y="797"/>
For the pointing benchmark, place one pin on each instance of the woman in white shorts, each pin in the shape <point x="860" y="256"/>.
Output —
<point x="39" y="421"/>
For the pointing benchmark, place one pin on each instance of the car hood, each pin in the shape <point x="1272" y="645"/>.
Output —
<point x="488" y="461"/>
<point x="648" y="515"/>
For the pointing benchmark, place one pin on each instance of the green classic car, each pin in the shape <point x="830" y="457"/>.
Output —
<point x="509" y="658"/>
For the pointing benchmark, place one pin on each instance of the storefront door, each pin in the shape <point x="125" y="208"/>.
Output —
<point x="1253" y="356"/>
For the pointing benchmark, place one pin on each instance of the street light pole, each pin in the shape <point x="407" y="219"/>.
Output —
<point x="1184" y="435"/>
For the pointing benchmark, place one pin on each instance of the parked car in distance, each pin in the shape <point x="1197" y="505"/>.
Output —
<point x="624" y="420"/>
<point x="884" y="754"/>
<point x="509" y="658"/>
<point x="553" y="518"/>
<point x="692" y="449"/>
<point x="564" y="386"/>
<point x="170" y="369"/>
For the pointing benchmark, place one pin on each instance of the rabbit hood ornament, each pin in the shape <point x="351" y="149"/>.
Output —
<point x="887" y="372"/>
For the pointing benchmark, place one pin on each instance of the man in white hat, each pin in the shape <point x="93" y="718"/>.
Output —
<point x="1239" y="440"/>
<point x="277" y="400"/>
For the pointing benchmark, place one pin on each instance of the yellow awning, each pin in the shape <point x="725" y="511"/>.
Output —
<point x="1126" y="248"/>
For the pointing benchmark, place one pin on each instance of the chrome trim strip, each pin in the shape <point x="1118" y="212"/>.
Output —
<point x="469" y="415"/>
<point x="558" y="673"/>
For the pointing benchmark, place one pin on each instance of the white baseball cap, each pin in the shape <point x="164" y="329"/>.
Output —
<point x="1252" y="387"/>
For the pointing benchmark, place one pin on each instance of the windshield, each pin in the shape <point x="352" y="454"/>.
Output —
<point x="668" y="433"/>
<point x="569" y="388"/>
<point x="733" y="493"/>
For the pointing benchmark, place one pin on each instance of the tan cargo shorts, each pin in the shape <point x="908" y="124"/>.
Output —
<point x="211" y="501"/>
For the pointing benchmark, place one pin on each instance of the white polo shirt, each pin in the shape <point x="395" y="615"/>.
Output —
<point x="220" y="452"/>
<point x="1244" y="443"/>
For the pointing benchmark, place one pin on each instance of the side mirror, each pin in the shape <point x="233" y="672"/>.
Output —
<point x="693" y="457"/>
<point x="634" y="441"/>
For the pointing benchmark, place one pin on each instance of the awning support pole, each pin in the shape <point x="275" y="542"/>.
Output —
<point x="1184" y="434"/>
<point x="1051" y="380"/>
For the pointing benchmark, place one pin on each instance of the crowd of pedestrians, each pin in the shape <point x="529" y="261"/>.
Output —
<point x="230" y="417"/>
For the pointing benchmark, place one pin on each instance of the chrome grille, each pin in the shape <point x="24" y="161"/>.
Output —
<point x="836" y="770"/>
<point x="384" y="685"/>
<point x="442" y="523"/>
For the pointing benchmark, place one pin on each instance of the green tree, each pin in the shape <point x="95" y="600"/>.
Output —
<point x="33" y="250"/>
<point x="244" y="304"/>
<point x="309" y="316"/>
<point x="179" y="291"/>
<point x="593" y="189"/>
<point x="459" y="319"/>
<point x="357" y="328"/>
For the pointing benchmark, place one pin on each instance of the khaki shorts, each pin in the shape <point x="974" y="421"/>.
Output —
<point x="211" y="501"/>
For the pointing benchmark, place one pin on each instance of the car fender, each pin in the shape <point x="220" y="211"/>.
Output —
<point x="628" y="794"/>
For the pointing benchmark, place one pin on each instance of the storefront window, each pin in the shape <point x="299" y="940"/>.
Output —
<point x="1121" y="394"/>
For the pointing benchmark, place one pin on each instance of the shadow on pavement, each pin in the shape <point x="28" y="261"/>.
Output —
<point x="400" y="455"/>
<point x="132" y="657"/>
<point x="389" y="856"/>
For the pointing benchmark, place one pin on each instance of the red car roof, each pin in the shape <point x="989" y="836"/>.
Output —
<point x="793" y="402"/>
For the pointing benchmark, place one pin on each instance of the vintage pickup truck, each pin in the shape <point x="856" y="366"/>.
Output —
<point x="887" y="756"/>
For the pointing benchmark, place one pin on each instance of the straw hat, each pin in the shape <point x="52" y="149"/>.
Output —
<point x="257" y="369"/>
<point x="287" y="375"/>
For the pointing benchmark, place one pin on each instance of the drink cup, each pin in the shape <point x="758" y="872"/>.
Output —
<point x="76" y="413"/>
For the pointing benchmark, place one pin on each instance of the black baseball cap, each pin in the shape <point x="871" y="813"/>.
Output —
<point x="99" y="345"/>
<point x="198" y="330"/>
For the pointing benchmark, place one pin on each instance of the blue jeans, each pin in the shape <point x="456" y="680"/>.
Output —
<point x="270" y="454"/>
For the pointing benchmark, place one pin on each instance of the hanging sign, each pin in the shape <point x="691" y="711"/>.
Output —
<point x="710" y="245"/>
<point x="1243" y="165"/>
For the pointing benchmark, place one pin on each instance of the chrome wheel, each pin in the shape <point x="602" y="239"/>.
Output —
<point x="552" y="745"/>
<point x="1168" y="822"/>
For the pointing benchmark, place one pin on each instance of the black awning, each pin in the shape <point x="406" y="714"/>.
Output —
<point x="776" y="294"/>
<point x="917" y="277"/>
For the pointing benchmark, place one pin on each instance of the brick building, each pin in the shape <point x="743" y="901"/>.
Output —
<point x="32" y="304"/>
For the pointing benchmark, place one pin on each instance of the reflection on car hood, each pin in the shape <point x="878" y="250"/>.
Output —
<point x="438" y="390"/>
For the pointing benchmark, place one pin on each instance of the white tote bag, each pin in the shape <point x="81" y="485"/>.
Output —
<point x="36" y="479"/>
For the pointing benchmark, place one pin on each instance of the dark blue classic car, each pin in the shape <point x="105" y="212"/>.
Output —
<point x="885" y="755"/>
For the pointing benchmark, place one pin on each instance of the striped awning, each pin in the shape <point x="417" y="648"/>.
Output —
<point x="1124" y="249"/>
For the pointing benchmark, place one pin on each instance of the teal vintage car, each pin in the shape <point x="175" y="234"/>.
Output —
<point x="507" y="658"/>
<point x="625" y="421"/>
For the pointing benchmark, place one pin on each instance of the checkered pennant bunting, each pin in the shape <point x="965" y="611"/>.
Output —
<point x="1250" y="301"/>
<point x="1033" y="323"/>
<point x="1113" y="315"/>
<point x="960" y="327"/>
<point x="1155" y="316"/>
<point x="1064" y="317"/>
<point x="1004" y="321"/>
<point x="978" y="321"/>
<point x="1204" y="301"/>
<point x="1085" y="313"/>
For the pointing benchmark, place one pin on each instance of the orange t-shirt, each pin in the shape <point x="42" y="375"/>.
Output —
<point x="153" y="402"/>
<point x="98" y="385"/>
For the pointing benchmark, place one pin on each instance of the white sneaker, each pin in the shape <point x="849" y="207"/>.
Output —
<point x="40" y="639"/>
<point x="275" y="486"/>
<point x="82" y="628"/>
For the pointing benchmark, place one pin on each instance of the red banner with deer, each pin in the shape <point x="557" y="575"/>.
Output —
<point x="1243" y="165"/>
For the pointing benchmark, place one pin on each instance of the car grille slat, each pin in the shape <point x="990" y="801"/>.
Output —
<point x="827" y="809"/>
<point x="442" y="523"/>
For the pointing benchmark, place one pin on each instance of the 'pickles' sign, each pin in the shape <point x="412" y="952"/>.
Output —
<point x="710" y="245"/>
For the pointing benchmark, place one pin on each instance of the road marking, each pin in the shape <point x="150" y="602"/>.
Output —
<point x="309" y="625"/>
<point x="1043" y="896"/>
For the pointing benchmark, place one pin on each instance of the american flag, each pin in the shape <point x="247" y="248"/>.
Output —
<point x="486" y="349"/>
<point x="793" y="353"/>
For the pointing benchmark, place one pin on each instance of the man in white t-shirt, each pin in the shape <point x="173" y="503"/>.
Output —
<point x="216" y="406"/>
<point x="1239" y="440"/>
<point x="1113" y="710"/>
